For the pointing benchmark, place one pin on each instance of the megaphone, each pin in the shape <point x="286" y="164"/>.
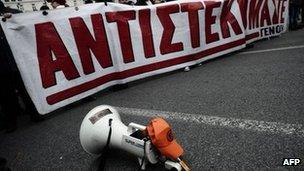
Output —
<point x="102" y="128"/>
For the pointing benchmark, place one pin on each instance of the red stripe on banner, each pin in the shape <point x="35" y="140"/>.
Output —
<point x="70" y="92"/>
<point x="252" y="36"/>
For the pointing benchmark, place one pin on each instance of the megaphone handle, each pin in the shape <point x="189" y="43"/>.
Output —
<point x="143" y="159"/>
<point x="110" y="133"/>
<point x="106" y="149"/>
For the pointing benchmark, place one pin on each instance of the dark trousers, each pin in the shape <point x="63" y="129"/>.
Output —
<point x="9" y="101"/>
<point x="303" y="12"/>
<point x="29" y="105"/>
<point x="293" y="16"/>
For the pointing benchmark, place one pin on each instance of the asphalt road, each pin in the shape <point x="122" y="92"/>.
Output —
<point x="264" y="87"/>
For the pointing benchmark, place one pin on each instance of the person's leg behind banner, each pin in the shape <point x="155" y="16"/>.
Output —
<point x="30" y="108"/>
<point x="302" y="13"/>
<point x="291" y="16"/>
<point x="8" y="98"/>
<point x="9" y="103"/>
<point x="297" y="12"/>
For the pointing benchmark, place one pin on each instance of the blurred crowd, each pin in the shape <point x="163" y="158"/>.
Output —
<point x="62" y="3"/>
<point x="143" y="2"/>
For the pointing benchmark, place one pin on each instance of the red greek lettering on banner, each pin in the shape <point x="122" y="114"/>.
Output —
<point x="48" y="41"/>
<point x="86" y="43"/>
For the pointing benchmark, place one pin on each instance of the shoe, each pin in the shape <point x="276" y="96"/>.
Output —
<point x="3" y="163"/>
<point x="2" y="127"/>
<point x="119" y="87"/>
<point x="89" y="99"/>
<point x="36" y="117"/>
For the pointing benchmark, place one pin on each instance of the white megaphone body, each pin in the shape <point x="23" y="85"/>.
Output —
<point x="102" y="127"/>
<point x="95" y="129"/>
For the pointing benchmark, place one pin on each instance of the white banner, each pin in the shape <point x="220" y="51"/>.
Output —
<point x="70" y="54"/>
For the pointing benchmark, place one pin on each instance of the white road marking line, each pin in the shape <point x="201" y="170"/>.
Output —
<point x="274" y="49"/>
<point x="244" y="124"/>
